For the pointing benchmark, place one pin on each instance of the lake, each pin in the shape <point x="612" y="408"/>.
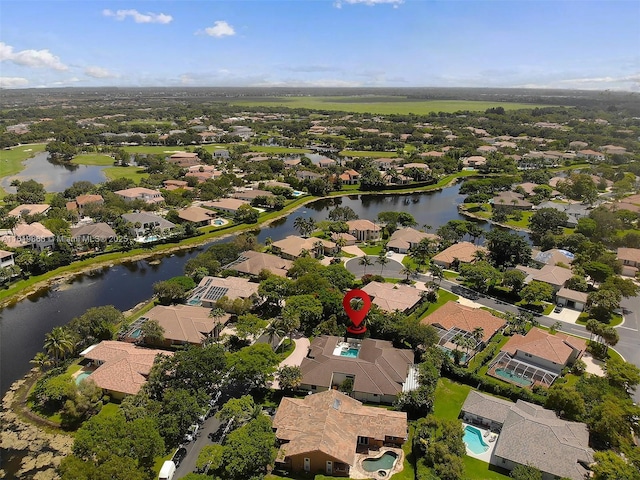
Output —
<point x="55" y="176"/>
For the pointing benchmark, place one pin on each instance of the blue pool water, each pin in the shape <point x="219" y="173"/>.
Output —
<point x="136" y="333"/>
<point x="385" y="462"/>
<point x="81" y="376"/>
<point x="473" y="439"/>
<point x="297" y="193"/>
<point x="351" y="353"/>
<point x="218" y="222"/>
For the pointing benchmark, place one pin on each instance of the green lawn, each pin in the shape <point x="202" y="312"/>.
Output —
<point x="615" y="319"/>
<point x="280" y="150"/>
<point x="450" y="275"/>
<point x="443" y="297"/>
<point x="408" y="472"/>
<point x="93" y="159"/>
<point x="478" y="470"/>
<point x="377" y="104"/>
<point x="134" y="173"/>
<point x="109" y="410"/>
<point x="373" y="250"/>
<point x="11" y="160"/>
<point x="449" y="398"/>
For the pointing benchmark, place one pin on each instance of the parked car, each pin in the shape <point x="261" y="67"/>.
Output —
<point x="179" y="456"/>
<point x="558" y="308"/>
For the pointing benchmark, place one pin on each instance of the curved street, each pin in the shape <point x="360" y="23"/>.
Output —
<point x="629" y="330"/>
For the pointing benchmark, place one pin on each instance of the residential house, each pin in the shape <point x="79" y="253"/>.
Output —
<point x="474" y="161"/>
<point x="221" y="153"/>
<point x="201" y="217"/>
<point x="486" y="149"/>
<point x="120" y="368"/>
<point x="140" y="193"/>
<point x="254" y="263"/>
<point x="307" y="175"/>
<point x="376" y="369"/>
<point x="94" y="232"/>
<point x="82" y="201"/>
<point x="186" y="324"/>
<point x="350" y="177"/>
<point x="292" y="247"/>
<point x="591" y="155"/>
<point x="184" y="159"/>
<point x="6" y="259"/>
<point x="554" y="256"/>
<point x="571" y="298"/>
<point x="553" y="275"/>
<point x="34" y="235"/>
<point x="531" y="435"/>
<point x="249" y="195"/>
<point x="226" y="205"/>
<point x="406" y="238"/>
<point x="536" y="358"/>
<point x="364" y="230"/>
<point x="392" y="297"/>
<point x="29" y="209"/>
<point x="176" y="185"/>
<point x="454" y="319"/>
<point x="432" y="154"/>
<point x="574" y="211"/>
<point x="385" y="163"/>
<point x="143" y="224"/>
<point x="322" y="433"/>
<point x="420" y="166"/>
<point x="461" y="252"/>
<point x="511" y="200"/>
<point x="212" y="289"/>
<point x="346" y="237"/>
<point x="326" y="162"/>
<point x="613" y="149"/>
<point x="630" y="258"/>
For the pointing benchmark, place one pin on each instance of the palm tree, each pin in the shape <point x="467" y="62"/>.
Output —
<point x="408" y="271"/>
<point x="274" y="329"/>
<point x="436" y="272"/>
<point x="318" y="248"/>
<point x="217" y="314"/>
<point x="58" y="343"/>
<point x="382" y="260"/>
<point x="41" y="360"/>
<point x="478" y="333"/>
<point x="365" y="262"/>
<point x="341" y="241"/>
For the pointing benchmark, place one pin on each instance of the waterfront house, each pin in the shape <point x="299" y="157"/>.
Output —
<point x="140" y="193"/>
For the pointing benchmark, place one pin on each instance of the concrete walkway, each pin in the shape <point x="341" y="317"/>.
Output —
<point x="296" y="357"/>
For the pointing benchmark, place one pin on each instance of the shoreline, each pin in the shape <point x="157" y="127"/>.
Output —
<point x="62" y="278"/>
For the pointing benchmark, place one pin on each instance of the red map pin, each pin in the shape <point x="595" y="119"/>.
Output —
<point x="356" y="316"/>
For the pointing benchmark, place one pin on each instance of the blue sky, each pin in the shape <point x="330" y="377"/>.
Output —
<point x="586" y="44"/>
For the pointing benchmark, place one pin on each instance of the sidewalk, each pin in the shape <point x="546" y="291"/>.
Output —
<point x="296" y="357"/>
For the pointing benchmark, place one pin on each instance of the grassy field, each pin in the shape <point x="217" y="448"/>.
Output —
<point x="475" y="469"/>
<point x="378" y="104"/>
<point x="280" y="150"/>
<point x="93" y="159"/>
<point x="443" y="297"/>
<point x="11" y="160"/>
<point x="364" y="153"/>
<point x="449" y="398"/>
<point x="134" y="173"/>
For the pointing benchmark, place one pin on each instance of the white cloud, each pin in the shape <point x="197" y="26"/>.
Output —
<point x="31" y="58"/>
<point x="138" y="17"/>
<point x="13" y="82"/>
<point x="97" y="72"/>
<point x="220" y="29"/>
<point x="369" y="3"/>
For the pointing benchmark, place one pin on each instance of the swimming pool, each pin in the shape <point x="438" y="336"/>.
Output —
<point x="297" y="193"/>
<point x="81" y="376"/>
<point x="219" y="223"/>
<point x="513" y="377"/>
<point x="473" y="440"/>
<point x="385" y="462"/>
<point x="350" y="352"/>
<point x="136" y="333"/>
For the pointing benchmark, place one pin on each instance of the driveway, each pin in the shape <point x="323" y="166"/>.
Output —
<point x="296" y="357"/>
<point x="353" y="250"/>
<point x="565" y="315"/>
<point x="390" y="270"/>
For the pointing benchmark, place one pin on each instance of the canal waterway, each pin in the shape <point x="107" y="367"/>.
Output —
<point x="23" y="325"/>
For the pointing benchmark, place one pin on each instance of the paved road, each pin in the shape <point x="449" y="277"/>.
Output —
<point x="390" y="270"/>
<point x="188" y="465"/>
<point x="629" y="331"/>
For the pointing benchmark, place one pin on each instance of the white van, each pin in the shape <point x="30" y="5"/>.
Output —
<point x="167" y="471"/>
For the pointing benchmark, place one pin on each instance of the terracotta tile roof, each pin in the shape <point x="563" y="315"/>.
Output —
<point x="551" y="274"/>
<point x="294" y="245"/>
<point x="185" y="323"/>
<point x="363" y="225"/>
<point x="572" y="295"/>
<point x="196" y="214"/>
<point x="226" y="203"/>
<point x="463" y="251"/>
<point x="98" y="231"/>
<point x="629" y="254"/>
<point x="404" y="237"/>
<point x="253" y="263"/>
<point x="452" y="314"/>
<point x="392" y="296"/>
<point x="124" y="366"/>
<point x="86" y="199"/>
<point x="331" y="422"/>
<point x="29" y="209"/>
<point x="556" y="348"/>
<point x="379" y="368"/>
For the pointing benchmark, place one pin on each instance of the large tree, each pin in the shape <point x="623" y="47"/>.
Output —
<point x="249" y="450"/>
<point x="507" y="249"/>
<point x="253" y="365"/>
<point x="546" y="220"/>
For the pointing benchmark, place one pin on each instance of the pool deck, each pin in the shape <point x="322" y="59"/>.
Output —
<point x="486" y="456"/>
<point x="358" y="472"/>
